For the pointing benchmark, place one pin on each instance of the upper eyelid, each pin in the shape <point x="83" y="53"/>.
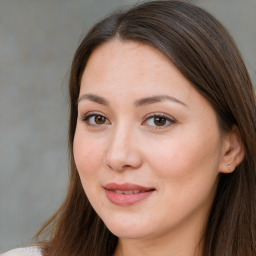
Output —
<point x="91" y="113"/>
<point x="161" y="115"/>
<point x="146" y="116"/>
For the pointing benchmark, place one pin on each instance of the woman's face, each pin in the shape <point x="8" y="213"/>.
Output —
<point x="147" y="145"/>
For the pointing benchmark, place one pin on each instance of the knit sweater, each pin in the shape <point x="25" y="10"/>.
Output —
<point x="26" y="251"/>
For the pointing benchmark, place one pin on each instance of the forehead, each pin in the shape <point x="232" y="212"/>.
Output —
<point x="120" y="54"/>
<point x="133" y="63"/>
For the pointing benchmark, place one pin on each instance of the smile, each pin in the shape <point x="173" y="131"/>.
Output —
<point x="127" y="194"/>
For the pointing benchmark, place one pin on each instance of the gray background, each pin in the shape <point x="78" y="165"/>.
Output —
<point x="37" y="42"/>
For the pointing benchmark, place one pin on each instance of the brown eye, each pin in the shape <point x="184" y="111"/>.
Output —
<point x="159" y="121"/>
<point x="94" y="119"/>
<point x="100" y="119"/>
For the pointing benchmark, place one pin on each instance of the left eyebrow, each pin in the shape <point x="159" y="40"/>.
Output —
<point x="156" y="99"/>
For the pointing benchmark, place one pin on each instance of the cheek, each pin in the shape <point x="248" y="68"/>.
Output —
<point x="186" y="158"/>
<point x="187" y="175"/>
<point x="87" y="155"/>
<point x="88" y="159"/>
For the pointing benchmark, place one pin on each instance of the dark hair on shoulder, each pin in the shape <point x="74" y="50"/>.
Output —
<point x="204" y="52"/>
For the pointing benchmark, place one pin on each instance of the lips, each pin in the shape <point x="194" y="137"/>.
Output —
<point x="127" y="193"/>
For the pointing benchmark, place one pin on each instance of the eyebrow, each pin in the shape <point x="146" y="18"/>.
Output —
<point x="140" y="102"/>
<point x="94" y="98"/>
<point x="158" y="98"/>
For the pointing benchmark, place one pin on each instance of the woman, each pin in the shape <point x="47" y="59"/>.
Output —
<point x="162" y="140"/>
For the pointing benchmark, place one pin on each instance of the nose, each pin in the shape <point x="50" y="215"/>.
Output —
<point x="123" y="150"/>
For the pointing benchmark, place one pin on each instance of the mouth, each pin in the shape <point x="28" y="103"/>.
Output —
<point x="127" y="193"/>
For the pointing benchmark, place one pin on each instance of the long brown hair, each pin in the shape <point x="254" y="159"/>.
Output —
<point x="207" y="56"/>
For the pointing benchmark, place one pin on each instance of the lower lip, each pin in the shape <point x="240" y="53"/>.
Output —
<point x="124" y="199"/>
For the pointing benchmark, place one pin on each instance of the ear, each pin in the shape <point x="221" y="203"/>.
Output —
<point x="233" y="151"/>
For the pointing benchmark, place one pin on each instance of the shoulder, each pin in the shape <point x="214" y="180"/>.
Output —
<point x="26" y="251"/>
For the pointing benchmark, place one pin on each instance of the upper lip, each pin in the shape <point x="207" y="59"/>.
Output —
<point x="127" y="187"/>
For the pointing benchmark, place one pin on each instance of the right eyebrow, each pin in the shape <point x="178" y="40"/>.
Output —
<point x="94" y="98"/>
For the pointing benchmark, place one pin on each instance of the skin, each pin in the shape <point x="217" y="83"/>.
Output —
<point x="120" y="141"/>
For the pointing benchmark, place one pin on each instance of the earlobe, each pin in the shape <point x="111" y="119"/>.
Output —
<point x="233" y="151"/>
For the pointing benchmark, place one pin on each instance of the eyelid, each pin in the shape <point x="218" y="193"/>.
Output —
<point x="85" y="117"/>
<point x="169" y="118"/>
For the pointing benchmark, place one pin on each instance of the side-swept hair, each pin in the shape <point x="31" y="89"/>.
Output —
<point x="204" y="52"/>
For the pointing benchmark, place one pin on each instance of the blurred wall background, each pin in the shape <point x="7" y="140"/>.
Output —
<point x="37" y="42"/>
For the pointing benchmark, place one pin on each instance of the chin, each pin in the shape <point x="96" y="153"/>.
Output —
<point x="128" y="234"/>
<point x="128" y="230"/>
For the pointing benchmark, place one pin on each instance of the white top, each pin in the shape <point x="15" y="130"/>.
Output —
<point x="26" y="251"/>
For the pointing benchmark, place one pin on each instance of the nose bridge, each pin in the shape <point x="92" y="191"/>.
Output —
<point x="122" y="151"/>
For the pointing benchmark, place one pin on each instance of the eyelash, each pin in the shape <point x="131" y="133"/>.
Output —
<point x="86" y="118"/>
<point x="162" y="116"/>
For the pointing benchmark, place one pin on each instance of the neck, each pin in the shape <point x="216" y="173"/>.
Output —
<point x="147" y="248"/>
